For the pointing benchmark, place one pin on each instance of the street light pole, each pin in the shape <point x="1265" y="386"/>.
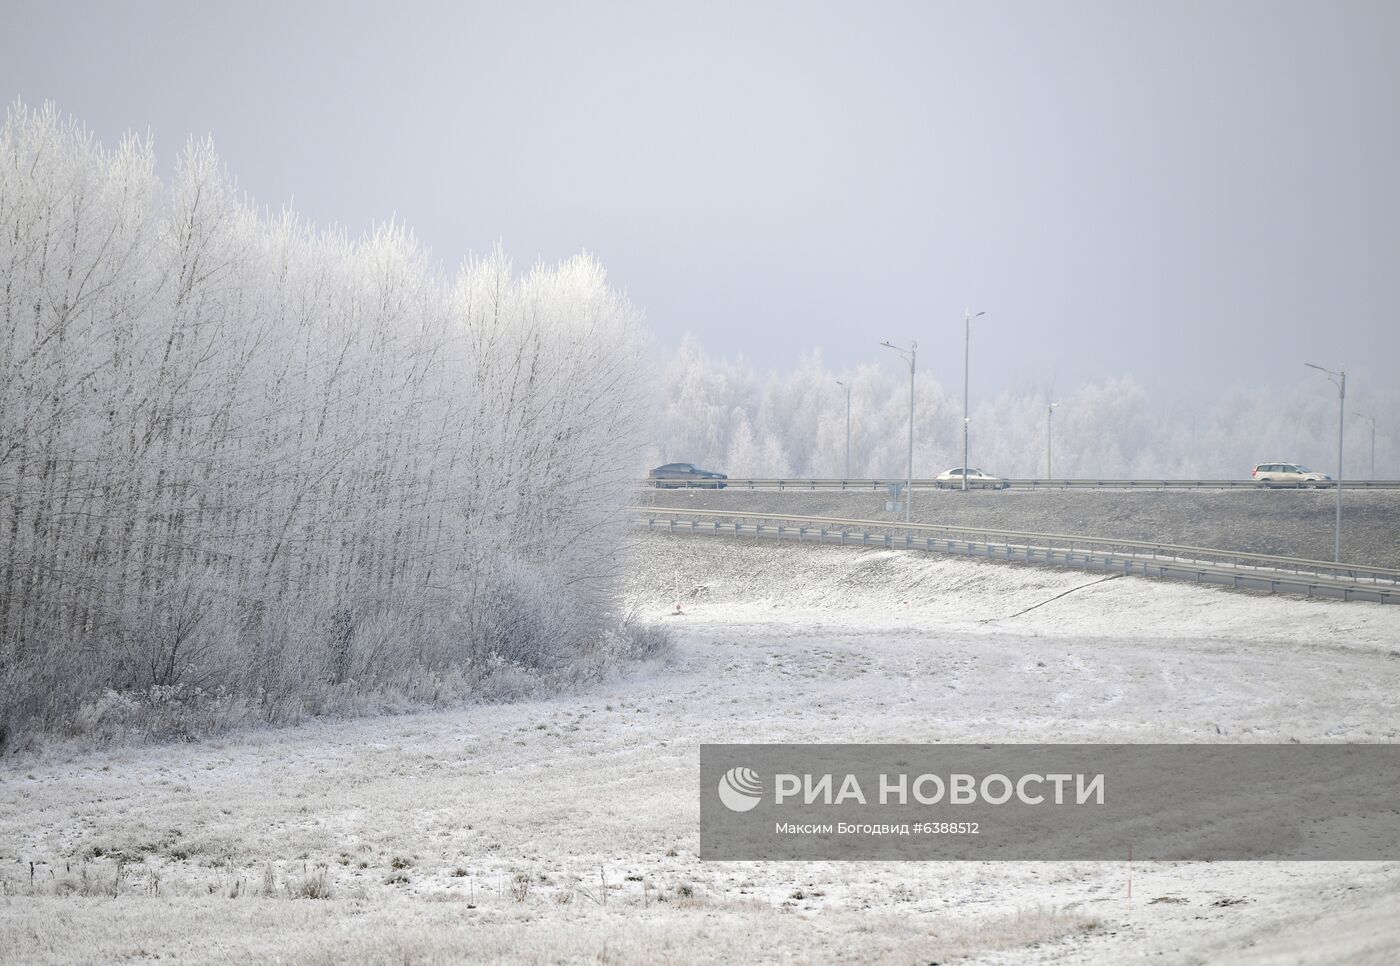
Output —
<point x="1049" y="413"/>
<point x="847" y="387"/>
<point x="1372" y="421"/>
<point x="1340" y="378"/>
<point x="910" y="354"/>
<point x="967" y="341"/>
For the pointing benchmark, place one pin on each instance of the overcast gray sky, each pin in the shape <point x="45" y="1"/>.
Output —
<point x="1194" y="193"/>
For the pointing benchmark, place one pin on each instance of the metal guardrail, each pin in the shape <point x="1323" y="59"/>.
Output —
<point x="1052" y="484"/>
<point x="1312" y="578"/>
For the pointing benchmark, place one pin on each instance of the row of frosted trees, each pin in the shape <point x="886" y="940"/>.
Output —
<point x="246" y="458"/>
<point x="724" y="415"/>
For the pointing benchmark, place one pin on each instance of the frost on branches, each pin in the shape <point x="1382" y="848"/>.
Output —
<point x="275" y="469"/>
<point x="724" y="415"/>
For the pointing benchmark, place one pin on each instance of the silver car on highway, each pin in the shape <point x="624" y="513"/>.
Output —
<point x="686" y="475"/>
<point x="975" y="479"/>
<point x="1289" y="474"/>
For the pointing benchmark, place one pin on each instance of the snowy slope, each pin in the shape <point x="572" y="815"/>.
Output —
<point x="496" y="832"/>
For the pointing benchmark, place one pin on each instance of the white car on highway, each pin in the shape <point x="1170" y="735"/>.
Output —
<point x="975" y="478"/>
<point x="1289" y="474"/>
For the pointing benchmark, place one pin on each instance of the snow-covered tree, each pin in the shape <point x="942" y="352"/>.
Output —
<point x="240" y="454"/>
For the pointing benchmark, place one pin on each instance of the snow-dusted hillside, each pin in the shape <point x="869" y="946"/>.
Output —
<point x="496" y="832"/>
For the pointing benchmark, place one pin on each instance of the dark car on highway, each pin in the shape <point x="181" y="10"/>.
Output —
<point x="686" y="474"/>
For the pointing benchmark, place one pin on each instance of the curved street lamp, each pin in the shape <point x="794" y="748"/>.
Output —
<point x="968" y="316"/>
<point x="1340" y="378"/>
<point x="909" y="354"/>
<point x="847" y="387"/>
<point x="1372" y="421"/>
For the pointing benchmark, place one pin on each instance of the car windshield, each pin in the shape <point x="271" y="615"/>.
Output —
<point x="1303" y="469"/>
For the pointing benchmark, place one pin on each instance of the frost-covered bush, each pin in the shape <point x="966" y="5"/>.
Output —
<point x="246" y="457"/>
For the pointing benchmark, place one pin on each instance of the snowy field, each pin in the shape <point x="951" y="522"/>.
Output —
<point x="565" y="830"/>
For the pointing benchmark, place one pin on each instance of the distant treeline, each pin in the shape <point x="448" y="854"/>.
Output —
<point x="724" y="415"/>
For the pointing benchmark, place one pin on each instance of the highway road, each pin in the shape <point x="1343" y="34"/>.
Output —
<point x="869" y="485"/>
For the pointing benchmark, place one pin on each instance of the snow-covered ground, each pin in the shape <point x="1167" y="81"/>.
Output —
<point x="565" y="830"/>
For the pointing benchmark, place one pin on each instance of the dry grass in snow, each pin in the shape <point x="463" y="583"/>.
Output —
<point x="564" y="830"/>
